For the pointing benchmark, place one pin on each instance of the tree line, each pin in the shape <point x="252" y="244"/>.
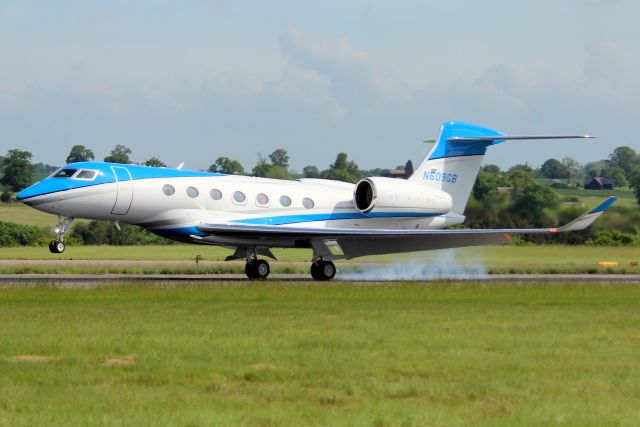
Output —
<point x="622" y="166"/>
<point x="519" y="197"/>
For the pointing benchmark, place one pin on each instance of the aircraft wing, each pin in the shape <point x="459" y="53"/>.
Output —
<point x="356" y="242"/>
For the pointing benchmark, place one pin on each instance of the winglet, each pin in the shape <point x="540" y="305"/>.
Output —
<point x="588" y="218"/>
<point x="604" y="205"/>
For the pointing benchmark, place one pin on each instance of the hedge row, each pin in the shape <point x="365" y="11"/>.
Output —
<point x="103" y="233"/>
<point x="87" y="233"/>
<point x="22" y="235"/>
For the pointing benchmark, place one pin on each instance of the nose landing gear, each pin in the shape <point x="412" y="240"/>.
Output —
<point x="57" y="246"/>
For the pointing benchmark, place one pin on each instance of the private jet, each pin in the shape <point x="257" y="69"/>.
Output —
<point x="251" y="215"/>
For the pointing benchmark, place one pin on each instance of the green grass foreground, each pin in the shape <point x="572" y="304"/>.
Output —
<point x="305" y="354"/>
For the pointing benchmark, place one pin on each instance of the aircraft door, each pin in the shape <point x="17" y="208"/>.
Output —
<point x="124" y="188"/>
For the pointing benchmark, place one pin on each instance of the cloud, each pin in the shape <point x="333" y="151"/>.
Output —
<point x="98" y="17"/>
<point x="314" y="96"/>
<point x="335" y="58"/>
<point x="352" y="78"/>
<point x="613" y="63"/>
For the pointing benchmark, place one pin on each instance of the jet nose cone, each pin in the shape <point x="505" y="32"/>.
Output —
<point x="24" y="194"/>
<point x="31" y="191"/>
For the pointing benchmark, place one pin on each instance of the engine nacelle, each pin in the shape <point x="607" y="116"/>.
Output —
<point x="378" y="194"/>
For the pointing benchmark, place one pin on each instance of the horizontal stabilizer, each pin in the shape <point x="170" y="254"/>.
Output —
<point x="514" y="138"/>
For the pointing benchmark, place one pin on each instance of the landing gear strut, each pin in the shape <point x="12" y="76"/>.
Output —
<point x="256" y="269"/>
<point x="323" y="270"/>
<point x="57" y="246"/>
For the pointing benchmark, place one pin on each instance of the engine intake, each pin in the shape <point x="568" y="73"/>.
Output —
<point x="379" y="194"/>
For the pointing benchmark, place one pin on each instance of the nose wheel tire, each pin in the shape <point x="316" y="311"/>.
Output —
<point x="56" y="247"/>
<point x="64" y="223"/>
<point x="323" y="270"/>
<point x="257" y="269"/>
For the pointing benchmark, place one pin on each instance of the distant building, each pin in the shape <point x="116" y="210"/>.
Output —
<point x="393" y="173"/>
<point x="600" y="183"/>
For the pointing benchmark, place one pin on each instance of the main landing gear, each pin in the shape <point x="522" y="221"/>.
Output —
<point x="256" y="269"/>
<point x="323" y="270"/>
<point x="57" y="246"/>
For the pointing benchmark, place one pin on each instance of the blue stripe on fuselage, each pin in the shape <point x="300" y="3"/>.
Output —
<point x="293" y="219"/>
<point x="177" y="232"/>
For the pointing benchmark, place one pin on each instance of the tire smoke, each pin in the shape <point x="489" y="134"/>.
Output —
<point x="433" y="265"/>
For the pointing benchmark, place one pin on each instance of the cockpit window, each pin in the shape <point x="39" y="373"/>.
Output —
<point x="86" y="174"/>
<point x="65" y="173"/>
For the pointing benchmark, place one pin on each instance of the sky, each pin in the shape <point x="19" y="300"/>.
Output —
<point x="192" y="80"/>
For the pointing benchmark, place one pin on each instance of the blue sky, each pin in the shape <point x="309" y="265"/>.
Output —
<point x="192" y="80"/>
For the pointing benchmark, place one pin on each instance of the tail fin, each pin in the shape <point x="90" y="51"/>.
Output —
<point x="454" y="162"/>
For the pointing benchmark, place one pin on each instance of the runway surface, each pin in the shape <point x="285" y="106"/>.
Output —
<point x="92" y="280"/>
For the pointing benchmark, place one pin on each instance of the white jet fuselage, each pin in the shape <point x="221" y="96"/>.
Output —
<point x="174" y="206"/>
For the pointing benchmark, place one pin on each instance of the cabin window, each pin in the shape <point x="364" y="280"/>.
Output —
<point x="308" y="203"/>
<point x="86" y="174"/>
<point x="65" y="173"/>
<point x="239" y="197"/>
<point x="285" y="201"/>
<point x="215" y="194"/>
<point x="192" y="192"/>
<point x="262" y="200"/>
<point x="169" y="190"/>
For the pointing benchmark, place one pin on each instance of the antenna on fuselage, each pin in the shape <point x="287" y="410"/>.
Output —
<point x="180" y="166"/>
<point x="429" y="141"/>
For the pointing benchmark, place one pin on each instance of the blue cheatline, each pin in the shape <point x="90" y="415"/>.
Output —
<point x="293" y="219"/>
<point x="290" y="219"/>
<point x="182" y="231"/>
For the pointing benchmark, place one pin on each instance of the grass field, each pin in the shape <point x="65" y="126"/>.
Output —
<point x="342" y="354"/>
<point x="490" y="259"/>
<point x="590" y="198"/>
<point x="23" y="214"/>
<point x="621" y="193"/>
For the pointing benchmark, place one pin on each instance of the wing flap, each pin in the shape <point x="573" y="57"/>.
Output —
<point x="353" y="247"/>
